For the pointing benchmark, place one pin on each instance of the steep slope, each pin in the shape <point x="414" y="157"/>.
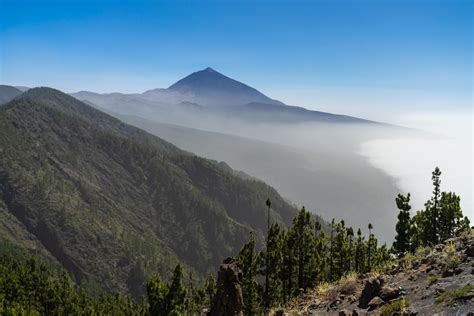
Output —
<point x="7" y="93"/>
<point x="313" y="174"/>
<point x="434" y="281"/>
<point x="113" y="203"/>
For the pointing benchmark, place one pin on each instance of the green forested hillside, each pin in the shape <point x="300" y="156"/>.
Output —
<point x="112" y="203"/>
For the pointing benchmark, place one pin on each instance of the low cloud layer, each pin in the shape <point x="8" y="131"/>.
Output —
<point x="411" y="160"/>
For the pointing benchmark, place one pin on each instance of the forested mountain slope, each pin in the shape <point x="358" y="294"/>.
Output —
<point x="114" y="204"/>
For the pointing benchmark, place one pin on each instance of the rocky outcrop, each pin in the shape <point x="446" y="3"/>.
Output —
<point x="371" y="289"/>
<point x="228" y="299"/>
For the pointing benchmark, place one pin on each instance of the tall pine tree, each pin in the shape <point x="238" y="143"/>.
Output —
<point x="402" y="239"/>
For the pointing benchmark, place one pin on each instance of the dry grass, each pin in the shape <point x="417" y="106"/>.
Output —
<point x="422" y="252"/>
<point x="348" y="284"/>
<point x="450" y="258"/>
<point x="406" y="261"/>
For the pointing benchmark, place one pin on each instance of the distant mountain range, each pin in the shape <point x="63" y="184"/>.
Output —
<point x="212" y="94"/>
<point x="112" y="203"/>
<point x="7" y="93"/>
<point x="311" y="157"/>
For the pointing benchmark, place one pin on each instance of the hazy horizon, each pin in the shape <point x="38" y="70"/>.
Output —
<point x="357" y="59"/>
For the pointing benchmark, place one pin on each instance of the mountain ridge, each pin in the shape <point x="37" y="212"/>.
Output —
<point x="113" y="203"/>
<point x="215" y="92"/>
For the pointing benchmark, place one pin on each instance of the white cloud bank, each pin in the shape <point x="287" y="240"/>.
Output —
<point x="411" y="161"/>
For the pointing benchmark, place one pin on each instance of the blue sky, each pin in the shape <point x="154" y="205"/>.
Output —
<point x="329" y="55"/>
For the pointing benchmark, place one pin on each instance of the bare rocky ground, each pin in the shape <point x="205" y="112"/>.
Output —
<point x="433" y="281"/>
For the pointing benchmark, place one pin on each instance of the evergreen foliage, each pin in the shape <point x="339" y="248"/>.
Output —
<point x="167" y="298"/>
<point x="441" y="219"/>
<point x="402" y="239"/>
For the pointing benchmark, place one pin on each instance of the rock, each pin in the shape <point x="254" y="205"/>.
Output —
<point x="355" y="313"/>
<point x="447" y="273"/>
<point x="375" y="302"/>
<point x="383" y="279"/>
<point x="335" y="303"/>
<point x="389" y="293"/>
<point x="439" y="291"/>
<point x="439" y="247"/>
<point x="371" y="289"/>
<point x="313" y="306"/>
<point x="228" y="299"/>
<point x="351" y="299"/>
<point x="345" y="312"/>
<point x="425" y="260"/>
<point x="467" y="296"/>
<point x="458" y="270"/>
<point x="470" y="251"/>
<point x="410" y="311"/>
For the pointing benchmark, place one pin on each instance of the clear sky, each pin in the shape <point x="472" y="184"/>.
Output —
<point x="331" y="55"/>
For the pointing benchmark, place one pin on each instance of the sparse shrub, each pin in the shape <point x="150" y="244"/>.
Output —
<point x="451" y="296"/>
<point x="348" y="283"/>
<point x="432" y="278"/>
<point x="422" y="252"/>
<point x="450" y="258"/>
<point x="406" y="260"/>
<point x="399" y="306"/>
<point x="322" y="288"/>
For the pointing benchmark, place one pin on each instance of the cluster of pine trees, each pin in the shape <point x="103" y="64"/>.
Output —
<point x="441" y="219"/>
<point x="31" y="286"/>
<point x="300" y="257"/>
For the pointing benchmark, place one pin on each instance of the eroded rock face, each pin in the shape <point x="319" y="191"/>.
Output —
<point x="375" y="303"/>
<point x="228" y="299"/>
<point x="470" y="251"/>
<point x="389" y="293"/>
<point x="372" y="288"/>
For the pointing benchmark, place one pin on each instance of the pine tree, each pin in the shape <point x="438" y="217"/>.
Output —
<point x="432" y="210"/>
<point x="303" y="234"/>
<point x="289" y="263"/>
<point x="331" y="253"/>
<point x="266" y="300"/>
<point x="450" y="217"/>
<point x="177" y="292"/>
<point x="369" y="248"/>
<point x="273" y="263"/>
<point x="418" y="231"/>
<point x="402" y="239"/>
<point x="210" y="286"/>
<point x="340" y="250"/>
<point x="350" y="254"/>
<point x="248" y="257"/>
<point x="167" y="299"/>
<point x="359" y="253"/>
<point x="157" y="292"/>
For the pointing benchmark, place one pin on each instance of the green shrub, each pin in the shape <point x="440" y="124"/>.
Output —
<point x="432" y="278"/>
<point x="451" y="296"/>
<point x="450" y="258"/>
<point x="399" y="306"/>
